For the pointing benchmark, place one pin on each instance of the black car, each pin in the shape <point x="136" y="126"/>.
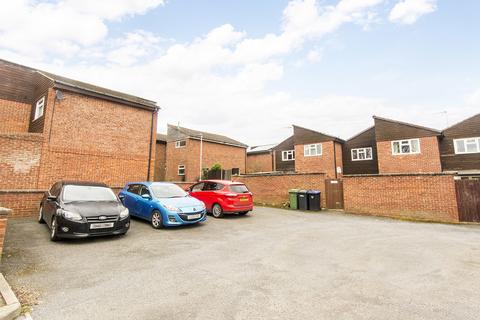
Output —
<point x="73" y="209"/>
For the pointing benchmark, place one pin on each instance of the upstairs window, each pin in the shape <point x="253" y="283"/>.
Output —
<point x="180" y="143"/>
<point x="181" y="170"/>
<point x="410" y="146"/>
<point x="39" y="108"/>
<point x="288" y="155"/>
<point x="311" y="150"/>
<point x="360" y="154"/>
<point x="467" y="145"/>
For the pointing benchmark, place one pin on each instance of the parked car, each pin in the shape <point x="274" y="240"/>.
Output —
<point x="222" y="196"/>
<point x="73" y="209"/>
<point x="163" y="204"/>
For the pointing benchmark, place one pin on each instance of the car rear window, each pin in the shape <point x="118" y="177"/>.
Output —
<point x="87" y="193"/>
<point x="238" y="188"/>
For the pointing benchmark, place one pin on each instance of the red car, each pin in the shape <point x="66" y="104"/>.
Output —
<point x="222" y="196"/>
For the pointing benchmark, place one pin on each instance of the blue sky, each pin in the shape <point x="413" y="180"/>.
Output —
<point x="249" y="69"/>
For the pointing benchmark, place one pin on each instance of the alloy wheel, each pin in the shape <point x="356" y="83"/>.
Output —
<point x="157" y="220"/>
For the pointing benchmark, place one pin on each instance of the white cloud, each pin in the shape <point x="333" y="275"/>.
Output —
<point x="473" y="99"/>
<point x="61" y="27"/>
<point x="409" y="11"/>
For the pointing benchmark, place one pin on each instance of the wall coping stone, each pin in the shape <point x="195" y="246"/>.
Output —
<point x="5" y="211"/>
<point x="279" y="173"/>
<point x="399" y="174"/>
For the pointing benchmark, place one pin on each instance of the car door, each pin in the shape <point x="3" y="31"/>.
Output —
<point x="208" y="194"/>
<point x="131" y="198"/>
<point x="50" y="206"/>
<point x="144" y="206"/>
<point x="196" y="191"/>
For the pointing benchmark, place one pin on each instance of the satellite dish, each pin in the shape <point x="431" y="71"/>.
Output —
<point x="58" y="94"/>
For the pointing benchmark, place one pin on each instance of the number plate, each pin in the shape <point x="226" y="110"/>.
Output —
<point x="243" y="199"/>
<point x="194" y="216"/>
<point x="101" y="225"/>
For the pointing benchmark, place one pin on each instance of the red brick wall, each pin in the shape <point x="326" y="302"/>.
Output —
<point x="324" y="163"/>
<point x="261" y="162"/>
<point x="15" y="116"/>
<point x="20" y="160"/>
<point x="23" y="203"/>
<point x="428" y="160"/>
<point x="228" y="156"/>
<point x="94" y="139"/>
<point x="419" y="197"/>
<point x="272" y="189"/>
<point x="160" y="161"/>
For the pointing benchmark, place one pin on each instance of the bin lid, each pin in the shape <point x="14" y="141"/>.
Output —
<point x="293" y="190"/>
<point x="302" y="191"/>
<point x="313" y="192"/>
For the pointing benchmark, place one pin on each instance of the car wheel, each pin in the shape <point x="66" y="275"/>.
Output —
<point x="40" y="215"/>
<point x="243" y="213"/>
<point x="53" y="231"/>
<point x="217" y="211"/>
<point x="157" y="221"/>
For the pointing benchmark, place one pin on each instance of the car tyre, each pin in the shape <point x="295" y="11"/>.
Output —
<point x="157" y="220"/>
<point x="53" y="231"/>
<point x="243" y="213"/>
<point x="40" y="215"/>
<point x="217" y="211"/>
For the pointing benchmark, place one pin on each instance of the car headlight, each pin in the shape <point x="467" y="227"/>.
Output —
<point x="124" y="213"/>
<point x="171" y="208"/>
<point x="73" y="216"/>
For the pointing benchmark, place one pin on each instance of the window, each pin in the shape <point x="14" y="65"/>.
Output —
<point x="360" y="154"/>
<point x="144" y="190"/>
<point x="180" y="143"/>
<point x="288" y="155"/>
<point x="134" y="188"/>
<point x="87" y="193"/>
<point x="467" y="145"/>
<point x="235" y="171"/>
<point x="39" y="106"/>
<point x="311" y="150"/>
<point x="181" y="170"/>
<point x="213" y="186"/>
<point x="238" y="188"/>
<point x="410" y="146"/>
<point x="167" y="191"/>
<point x="198" y="187"/>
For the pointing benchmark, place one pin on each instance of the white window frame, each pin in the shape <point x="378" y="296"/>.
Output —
<point x="308" y="148"/>
<point x="178" y="144"/>
<point x="181" y="167"/>
<point x="464" y="140"/>
<point x="287" y="153"/>
<point x="39" y="108"/>
<point x="362" y="150"/>
<point x="409" y="142"/>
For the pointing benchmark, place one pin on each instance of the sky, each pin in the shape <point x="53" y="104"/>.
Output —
<point x="250" y="69"/>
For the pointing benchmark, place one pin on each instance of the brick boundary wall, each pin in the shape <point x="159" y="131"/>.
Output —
<point x="23" y="203"/>
<point x="272" y="188"/>
<point x="428" y="197"/>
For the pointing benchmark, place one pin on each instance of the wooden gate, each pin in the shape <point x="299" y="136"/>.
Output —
<point x="334" y="193"/>
<point x="468" y="200"/>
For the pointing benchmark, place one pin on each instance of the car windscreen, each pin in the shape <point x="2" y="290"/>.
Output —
<point x="238" y="188"/>
<point x="87" y="193"/>
<point x="167" y="191"/>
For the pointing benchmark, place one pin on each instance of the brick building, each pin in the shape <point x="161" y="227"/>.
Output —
<point x="188" y="151"/>
<point x="160" y="157"/>
<point x="55" y="128"/>
<point x="260" y="158"/>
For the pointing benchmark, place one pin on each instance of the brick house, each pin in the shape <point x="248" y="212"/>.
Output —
<point x="160" y="157"/>
<point x="188" y="151"/>
<point x="309" y="151"/>
<point x="460" y="148"/>
<point x="260" y="158"/>
<point x="57" y="128"/>
<point x="392" y="146"/>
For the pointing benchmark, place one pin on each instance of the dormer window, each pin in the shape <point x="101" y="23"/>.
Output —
<point x="180" y="143"/>
<point x="39" y="108"/>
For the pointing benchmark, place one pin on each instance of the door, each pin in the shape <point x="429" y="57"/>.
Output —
<point x="334" y="193"/>
<point x="196" y="191"/>
<point x="131" y="197"/>
<point x="468" y="200"/>
<point x="50" y="206"/>
<point x="143" y="206"/>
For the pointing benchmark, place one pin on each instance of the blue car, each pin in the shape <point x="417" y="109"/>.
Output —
<point x="163" y="204"/>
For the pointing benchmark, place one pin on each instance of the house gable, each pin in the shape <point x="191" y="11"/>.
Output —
<point x="388" y="130"/>
<point x="365" y="139"/>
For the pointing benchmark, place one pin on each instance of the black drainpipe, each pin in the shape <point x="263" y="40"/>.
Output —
<point x="151" y="143"/>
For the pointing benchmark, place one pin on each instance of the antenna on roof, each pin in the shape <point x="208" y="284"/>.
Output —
<point x="178" y="124"/>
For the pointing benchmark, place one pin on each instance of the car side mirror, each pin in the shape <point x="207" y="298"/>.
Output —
<point x="146" y="196"/>
<point x="121" y="196"/>
<point x="52" y="198"/>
